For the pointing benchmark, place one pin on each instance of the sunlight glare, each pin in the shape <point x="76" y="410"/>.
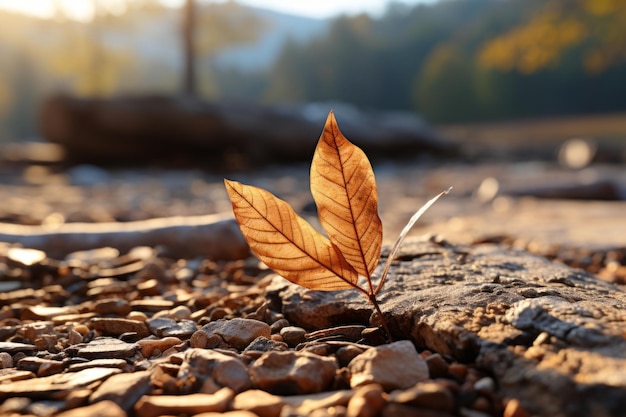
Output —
<point x="82" y="10"/>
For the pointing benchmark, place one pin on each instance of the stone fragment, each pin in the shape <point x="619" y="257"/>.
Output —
<point x="6" y="360"/>
<point x="345" y="354"/>
<point x="148" y="346"/>
<point x="151" y="305"/>
<point x="157" y="405"/>
<point x="45" y="313"/>
<point x="12" y="374"/>
<point x="261" y="403"/>
<point x="291" y="373"/>
<point x="437" y="366"/>
<point x="513" y="408"/>
<point x="100" y="409"/>
<point x="124" y="389"/>
<point x="396" y="365"/>
<point x="167" y="327"/>
<point x="430" y="395"/>
<point x="13" y="347"/>
<point x="119" y="326"/>
<point x="350" y="333"/>
<point x="103" y="363"/>
<point x="180" y="313"/>
<point x="41" y="366"/>
<point x="226" y="371"/>
<point x="263" y="344"/>
<point x="307" y="404"/>
<point x="237" y="332"/>
<point x="115" y="306"/>
<point x="367" y="401"/>
<point x="292" y="335"/>
<point x="105" y="348"/>
<point x="55" y="385"/>
<point x="237" y="413"/>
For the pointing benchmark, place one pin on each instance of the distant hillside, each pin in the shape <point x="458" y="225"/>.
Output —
<point x="280" y="27"/>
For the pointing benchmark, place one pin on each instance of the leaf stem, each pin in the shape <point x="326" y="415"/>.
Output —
<point x="383" y="321"/>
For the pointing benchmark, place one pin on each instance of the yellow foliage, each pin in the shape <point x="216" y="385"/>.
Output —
<point x="533" y="46"/>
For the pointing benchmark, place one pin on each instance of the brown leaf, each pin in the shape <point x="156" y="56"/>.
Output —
<point x="344" y="189"/>
<point x="286" y="242"/>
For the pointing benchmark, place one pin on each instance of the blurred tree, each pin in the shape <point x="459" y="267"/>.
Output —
<point x="189" y="48"/>
<point x="595" y="27"/>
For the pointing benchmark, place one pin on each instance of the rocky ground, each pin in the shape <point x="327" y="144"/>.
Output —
<point x="481" y="326"/>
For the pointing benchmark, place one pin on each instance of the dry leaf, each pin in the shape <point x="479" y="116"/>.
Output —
<point x="286" y="242"/>
<point x="344" y="189"/>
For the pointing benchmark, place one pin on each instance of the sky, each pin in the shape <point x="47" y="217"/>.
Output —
<point x="81" y="9"/>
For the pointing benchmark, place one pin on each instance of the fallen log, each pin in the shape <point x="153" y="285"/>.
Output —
<point x="213" y="236"/>
<point x="163" y="129"/>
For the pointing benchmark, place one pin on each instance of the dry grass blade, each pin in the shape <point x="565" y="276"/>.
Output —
<point x="403" y="233"/>
<point x="286" y="242"/>
<point x="344" y="189"/>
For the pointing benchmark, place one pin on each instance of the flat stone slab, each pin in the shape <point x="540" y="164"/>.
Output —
<point x="552" y="336"/>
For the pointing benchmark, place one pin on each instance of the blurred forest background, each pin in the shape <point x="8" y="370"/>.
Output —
<point x="451" y="61"/>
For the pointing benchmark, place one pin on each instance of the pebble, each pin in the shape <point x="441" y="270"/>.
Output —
<point x="157" y="405"/>
<point x="6" y="360"/>
<point x="105" y="348"/>
<point x="437" y="366"/>
<point x="305" y="405"/>
<point x="238" y="332"/>
<point x="151" y="305"/>
<point x="367" y="401"/>
<point x="119" y="326"/>
<point x="292" y="373"/>
<point x="345" y="354"/>
<point x="263" y="344"/>
<point x="104" y="363"/>
<point x="226" y="371"/>
<point x="50" y="385"/>
<point x="165" y="326"/>
<point x="485" y="384"/>
<point x="278" y="325"/>
<point x="292" y="335"/>
<point x="394" y="366"/>
<point x="180" y="313"/>
<point x="13" y="348"/>
<point x="430" y="395"/>
<point x="148" y="346"/>
<point x="99" y="409"/>
<point x="261" y="403"/>
<point x="114" y="306"/>
<point x="514" y="408"/>
<point x="125" y="389"/>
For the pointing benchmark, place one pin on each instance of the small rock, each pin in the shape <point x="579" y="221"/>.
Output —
<point x="12" y="348"/>
<point x="289" y="373"/>
<point x="226" y="371"/>
<point x="292" y="335"/>
<point x="119" y="326"/>
<point x="116" y="306"/>
<point x="105" y="348"/>
<point x="350" y="333"/>
<point x="124" y="389"/>
<point x="99" y="409"/>
<point x="151" y="305"/>
<point x="12" y="374"/>
<point x="304" y="405"/>
<point x="437" y="365"/>
<point x="45" y="313"/>
<point x="263" y="344"/>
<point x="74" y="338"/>
<point x="368" y="401"/>
<point x="156" y="405"/>
<point x="165" y="326"/>
<point x="345" y="354"/>
<point x="514" y="408"/>
<point x="429" y="395"/>
<point x="40" y="366"/>
<point x="180" y="313"/>
<point x="261" y="403"/>
<point x="485" y="384"/>
<point x="103" y="363"/>
<point x="278" y="325"/>
<point x="237" y="413"/>
<point x="238" y="332"/>
<point x="147" y="346"/>
<point x="394" y="366"/>
<point x="50" y="385"/>
<point x="6" y="360"/>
